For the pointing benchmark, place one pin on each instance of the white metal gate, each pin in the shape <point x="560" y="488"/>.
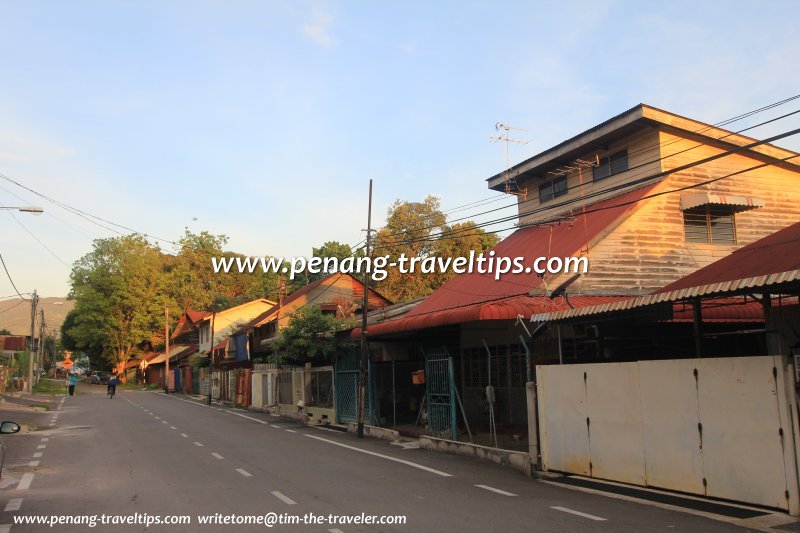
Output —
<point x="720" y="427"/>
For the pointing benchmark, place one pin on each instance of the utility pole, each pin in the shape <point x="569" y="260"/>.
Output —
<point x="362" y="361"/>
<point x="34" y="302"/>
<point x="166" y="349"/>
<point x="40" y="352"/>
<point x="211" y="354"/>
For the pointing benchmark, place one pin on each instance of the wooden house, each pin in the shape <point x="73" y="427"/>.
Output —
<point x="646" y="197"/>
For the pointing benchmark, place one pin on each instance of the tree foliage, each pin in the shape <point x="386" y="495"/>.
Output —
<point x="309" y="337"/>
<point x="420" y="229"/>
<point x="120" y="289"/>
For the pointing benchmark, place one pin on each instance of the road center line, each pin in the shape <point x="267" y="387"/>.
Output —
<point x="578" y="513"/>
<point x="45" y="439"/>
<point x="33" y="463"/>
<point x="388" y="457"/>
<point x="13" y="504"/>
<point x="41" y="446"/>
<point x="197" y="443"/>
<point x="37" y="455"/>
<point x="25" y="482"/>
<point x="498" y="491"/>
<point x="282" y="497"/>
<point x="274" y="426"/>
<point x="172" y="427"/>
<point x="245" y="473"/>
<point x="291" y="431"/>
<point x="184" y="435"/>
<point x="164" y="422"/>
<point x="218" y="456"/>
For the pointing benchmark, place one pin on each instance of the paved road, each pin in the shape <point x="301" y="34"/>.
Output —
<point x="157" y="455"/>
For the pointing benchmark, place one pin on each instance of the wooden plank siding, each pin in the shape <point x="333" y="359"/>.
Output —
<point x="642" y="149"/>
<point x="648" y="249"/>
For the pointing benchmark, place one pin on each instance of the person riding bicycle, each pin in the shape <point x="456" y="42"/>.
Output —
<point x="112" y="386"/>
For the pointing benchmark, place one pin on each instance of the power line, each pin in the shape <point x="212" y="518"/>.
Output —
<point x="626" y="185"/>
<point x="10" y="279"/>
<point x="84" y="214"/>
<point x="637" y="167"/>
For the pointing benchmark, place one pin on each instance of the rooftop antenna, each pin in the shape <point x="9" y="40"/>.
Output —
<point x="511" y="184"/>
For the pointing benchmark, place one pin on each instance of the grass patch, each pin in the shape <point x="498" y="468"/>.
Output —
<point x="39" y="406"/>
<point x="50" y="386"/>
<point x="136" y="386"/>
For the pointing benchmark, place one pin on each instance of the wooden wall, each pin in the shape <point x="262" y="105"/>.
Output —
<point x="648" y="250"/>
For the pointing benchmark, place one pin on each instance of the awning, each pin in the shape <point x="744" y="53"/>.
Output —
<point x="501" y="309"/>
<point x="736" y="203"/>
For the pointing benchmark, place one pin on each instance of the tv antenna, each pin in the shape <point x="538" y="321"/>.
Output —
<point x="511" y="183"/>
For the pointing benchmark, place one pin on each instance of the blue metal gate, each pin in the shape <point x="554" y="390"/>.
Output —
<point x="177" y="379"/>
<point x="346" y="389"/>
<point x="440" y="394"/>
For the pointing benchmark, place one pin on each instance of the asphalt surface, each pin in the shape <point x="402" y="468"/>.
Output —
<point x="145" y="454"/>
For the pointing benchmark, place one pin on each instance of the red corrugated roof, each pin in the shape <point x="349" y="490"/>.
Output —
<point x="779" y="252"/>
<point x="503" y="309"/>
<point x="442" y="307"/>
<point x="12" y="343"/>
<point x="195" y="316"/>
<point x="724" y="310"/>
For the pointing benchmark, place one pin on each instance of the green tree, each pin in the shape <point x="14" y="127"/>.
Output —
<point x="119" y="296"/>
<point x="420" y="229"/>
<point x="193" y="284"/>
<point x="310" y="336"/>
<point x="4" y="332"/>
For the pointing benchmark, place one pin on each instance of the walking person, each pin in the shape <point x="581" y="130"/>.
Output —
<point x="112" y="386"/>
<point x="73" y="380"/>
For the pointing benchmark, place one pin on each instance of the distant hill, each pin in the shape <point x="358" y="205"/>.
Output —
<point x="15" y="315"/>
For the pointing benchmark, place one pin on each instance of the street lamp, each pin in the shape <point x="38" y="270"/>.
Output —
<point x="25" y="209"/>
<point x="34" y="299"/>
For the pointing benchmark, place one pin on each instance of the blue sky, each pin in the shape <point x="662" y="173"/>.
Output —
<point x="265" y="120"/>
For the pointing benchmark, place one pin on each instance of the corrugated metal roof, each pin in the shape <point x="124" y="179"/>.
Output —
<point x="738" y="203"/>
<point x="562" y="240"/>
<point x="502" y="309"/>
<point x="770" y="261"/>
<point x="12" y="343"/>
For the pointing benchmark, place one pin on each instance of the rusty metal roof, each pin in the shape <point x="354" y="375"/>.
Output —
<point x="508" y="308"/>
<point x="456" y="300"/>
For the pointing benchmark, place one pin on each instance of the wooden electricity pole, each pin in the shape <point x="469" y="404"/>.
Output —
<point x="363" y="359"/>
<point x="166" y="348"/>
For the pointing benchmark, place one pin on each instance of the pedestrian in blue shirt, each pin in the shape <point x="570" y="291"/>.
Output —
<point x="112" y="386"/>
<point x="73" y="380"/>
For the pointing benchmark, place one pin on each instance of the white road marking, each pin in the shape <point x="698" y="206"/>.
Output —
<point x="245" y="473"/>
<point x="41" y="447"/>
<point x="157" y="417"/>
<point x="275" y="426"/>
<point x="335" y="531"/>
<point x="389" y="457"/>
<point x="498" y="491"/>
<point x="197" y="443"/>
<point x="291" y="431"/>
<point x="13" y="504"/>
<point x="45" y="439"/>
<point x="50" y="425"/>
<point x="25" y="482"/>
<point x="37" y="455"/>
<point x="33" y="463"/>
<point x="184" y="435"/>
<point x="164" y="422"/>
<point x="218" y="456"/>
<point x="282" y="497"/>
<point x="578" y="513"/>
<point x="172" y="427"/>
<point x="247" y="417"/>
